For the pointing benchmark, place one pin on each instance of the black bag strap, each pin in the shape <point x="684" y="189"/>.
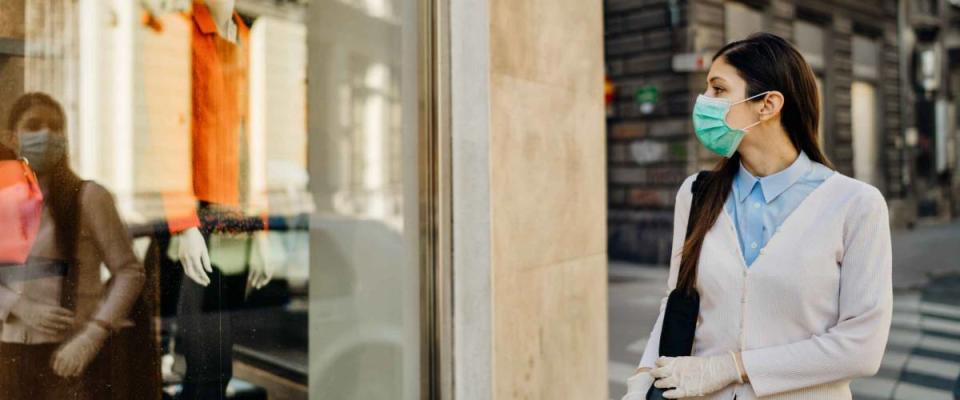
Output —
<point x="683" y="308"/>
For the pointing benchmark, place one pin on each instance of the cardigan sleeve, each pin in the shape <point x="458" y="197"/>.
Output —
<point x="115" y="246"/>
<point x="854" y="347"/>
<point x="681" y="212"/>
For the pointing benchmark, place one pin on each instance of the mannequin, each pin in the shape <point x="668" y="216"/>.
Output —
<point x="219" y="46"/>
<point x="193" y="252"/>
<point x="222" y="12"/>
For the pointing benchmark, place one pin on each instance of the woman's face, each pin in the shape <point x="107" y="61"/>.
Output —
<point x="36" y="119"/>
<point x="723" y="81"/>
<point x="38" y="136"/>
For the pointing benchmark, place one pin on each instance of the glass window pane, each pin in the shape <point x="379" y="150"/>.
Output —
<point x="864" y="111"/>
<point x="263" y="157"/>
<point x="741" y="21"/>
<point x="866" y="57"/>
<point x="809" y="40"/>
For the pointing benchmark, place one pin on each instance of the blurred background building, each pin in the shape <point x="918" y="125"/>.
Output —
<point x="887" y="88"/>
<point x="888" y="76"/>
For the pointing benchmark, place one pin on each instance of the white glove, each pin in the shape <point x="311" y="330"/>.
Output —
<point x="638" y="385"/>
<point x="261" y="269"/>
<point x="74" y="356"/>
<point x="695" y="376"/>
<point x="194" y="256"/>
<point x="50" y="320"/>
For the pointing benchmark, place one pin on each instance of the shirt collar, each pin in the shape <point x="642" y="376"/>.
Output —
<point x="203" y="19"/>
<point x="772" y="185"/>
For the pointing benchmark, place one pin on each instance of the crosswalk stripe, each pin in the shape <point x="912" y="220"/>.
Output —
<point x="904" y="337"/>
<point x="909" y="391"/>
<point x="894" y="360"/>
<point x="942" y="344"/>
<point x="906" y="302"/>
<point x="874" y="386"/>
<point x="941" y="325"/>
<point x="906" y="319"/>
<point x="940" y="309"/>
<point x="933" y="367"/>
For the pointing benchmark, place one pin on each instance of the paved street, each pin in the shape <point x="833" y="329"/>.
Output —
<point x="922" y="360"/>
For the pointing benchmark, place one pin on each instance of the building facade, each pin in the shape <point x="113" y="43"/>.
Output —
<point x="657" y="55"/>
<point x="930" y="42"/>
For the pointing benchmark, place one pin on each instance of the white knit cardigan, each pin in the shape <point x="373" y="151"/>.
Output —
<point x="814" y="309"/>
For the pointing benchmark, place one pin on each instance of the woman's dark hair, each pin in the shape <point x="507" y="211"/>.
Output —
<point x="6" y="153"/>
<point x="63" y="188"/>
<point x="766" y="62"/>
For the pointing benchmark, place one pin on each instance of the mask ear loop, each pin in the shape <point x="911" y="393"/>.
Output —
<point x="744" y="129"/>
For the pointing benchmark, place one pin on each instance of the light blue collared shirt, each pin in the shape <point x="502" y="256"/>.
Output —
<point x="759" y="205"/>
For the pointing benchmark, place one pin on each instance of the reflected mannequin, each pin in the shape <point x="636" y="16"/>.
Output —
<point x="219" y="63"/>
<point x="193" y="251"/>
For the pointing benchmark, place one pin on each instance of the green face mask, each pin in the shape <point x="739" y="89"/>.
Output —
<point x="710" y="124"/>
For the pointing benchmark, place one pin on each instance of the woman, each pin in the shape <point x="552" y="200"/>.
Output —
<point x="791" y="259"/>
<point x="57" y="313"/>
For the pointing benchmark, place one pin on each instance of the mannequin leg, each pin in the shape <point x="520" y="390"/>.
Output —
<point x="205" y="338"/>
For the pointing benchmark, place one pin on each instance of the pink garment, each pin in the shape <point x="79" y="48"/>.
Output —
<point x="20" y="205"/>
<point x="103" y="239"/>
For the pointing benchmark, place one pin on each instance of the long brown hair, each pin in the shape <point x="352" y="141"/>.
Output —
<point x="766" y="62"/>
<point x="63" y="188"/>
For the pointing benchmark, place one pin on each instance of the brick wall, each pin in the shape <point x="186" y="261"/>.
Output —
<point x="647" y="154"/>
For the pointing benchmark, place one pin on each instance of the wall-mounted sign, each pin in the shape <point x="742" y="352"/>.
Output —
<point x="646" y="151"/>
<point x="691" y="62"/>
<point x="647" y="97"/>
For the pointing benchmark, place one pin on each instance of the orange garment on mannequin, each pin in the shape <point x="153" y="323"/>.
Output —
<point x="219" y="111"/>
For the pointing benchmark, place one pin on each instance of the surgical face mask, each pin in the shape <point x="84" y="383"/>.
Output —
<point x="710" y="124"/>
<point x="42" y="149"/>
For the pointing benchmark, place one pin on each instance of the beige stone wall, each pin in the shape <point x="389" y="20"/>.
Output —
<point x="548" y="199"/>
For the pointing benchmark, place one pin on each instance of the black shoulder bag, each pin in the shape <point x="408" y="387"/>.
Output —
<point x="680" y="316"/>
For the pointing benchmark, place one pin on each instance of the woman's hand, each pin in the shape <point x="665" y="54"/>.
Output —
<point x="77" y="353"/>
<point x="44" y="318"/>
<point x="695" y="376"/>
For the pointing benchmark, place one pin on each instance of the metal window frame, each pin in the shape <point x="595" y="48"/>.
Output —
<point x="434" y="170"/>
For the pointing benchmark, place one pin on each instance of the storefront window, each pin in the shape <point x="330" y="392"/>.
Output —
<point x="244" y="179"/>
<point x="863" y="97"/>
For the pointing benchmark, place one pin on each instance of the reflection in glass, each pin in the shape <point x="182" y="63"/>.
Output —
<point x="327" y="191"/>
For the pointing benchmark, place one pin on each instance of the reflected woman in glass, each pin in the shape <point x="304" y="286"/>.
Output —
<point x="58" y="313"/>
